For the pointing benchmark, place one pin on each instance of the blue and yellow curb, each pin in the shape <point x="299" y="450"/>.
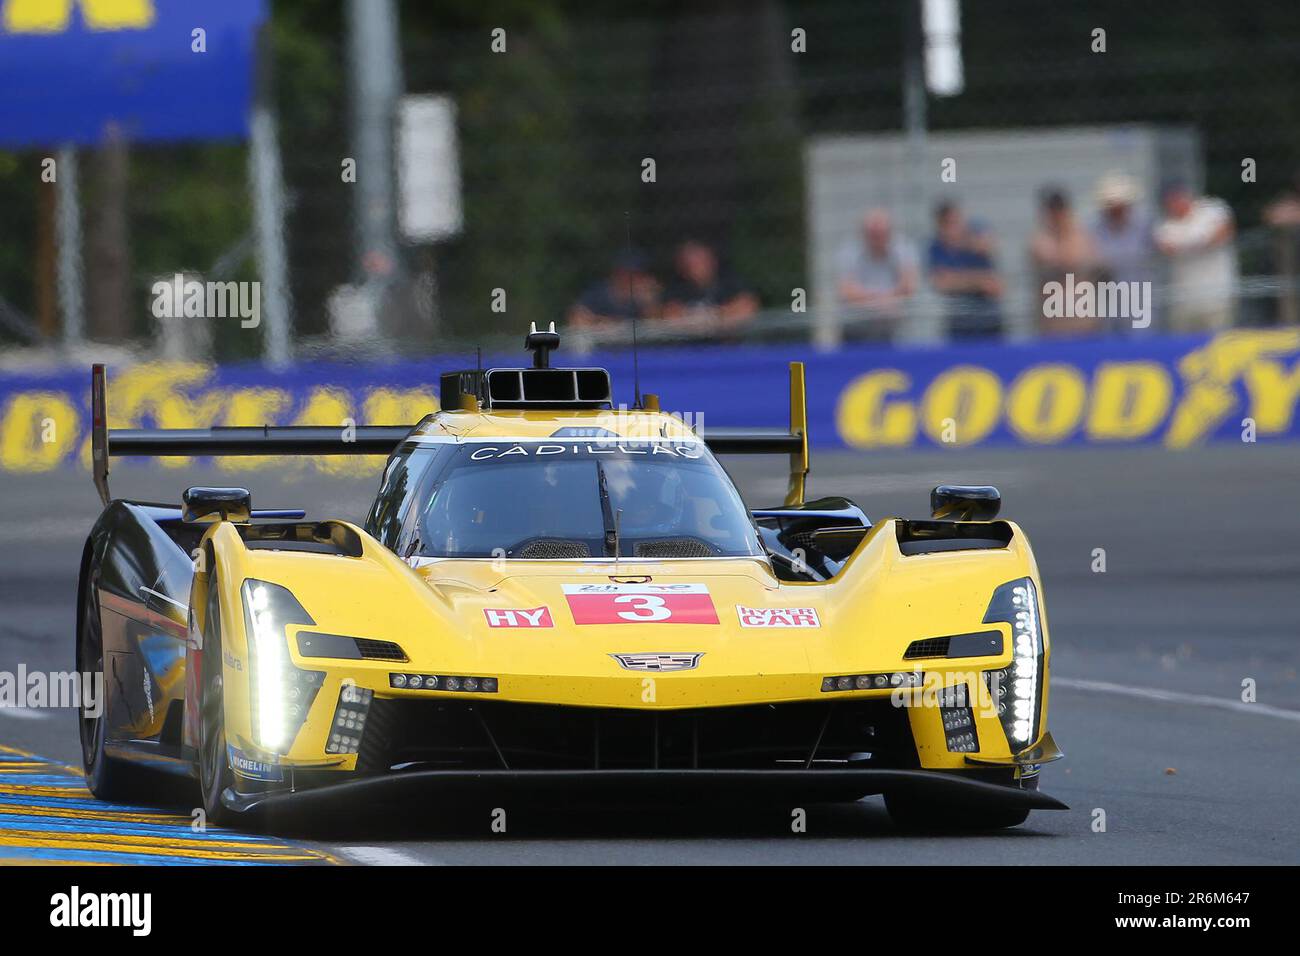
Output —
<point x="48" y="817"/>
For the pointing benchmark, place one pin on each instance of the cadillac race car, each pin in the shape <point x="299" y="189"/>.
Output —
<point x="553" y="592"/>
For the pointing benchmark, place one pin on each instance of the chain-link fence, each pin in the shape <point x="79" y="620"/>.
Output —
<point x="663" y="164"/>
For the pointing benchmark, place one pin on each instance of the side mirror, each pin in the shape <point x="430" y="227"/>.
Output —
<point x="965" y="502"/>
<point x="228" y="504"/>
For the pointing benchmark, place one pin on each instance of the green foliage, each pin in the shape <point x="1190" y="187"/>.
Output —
<point x="19" y="186"/>
<point x="523" y="182"/>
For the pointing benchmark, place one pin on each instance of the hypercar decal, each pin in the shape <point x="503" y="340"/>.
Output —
<point x="640" y="604"/>
<point x="778" y="616"/>
<point x="518" y="616"/>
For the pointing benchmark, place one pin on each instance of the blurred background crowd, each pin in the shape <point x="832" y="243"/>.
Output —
<point x="1185" y="245"/>
<point x="723" y="170"/>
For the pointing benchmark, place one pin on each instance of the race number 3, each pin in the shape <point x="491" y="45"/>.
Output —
<point x="640" y="604"/>
<point x="646" y="607"/>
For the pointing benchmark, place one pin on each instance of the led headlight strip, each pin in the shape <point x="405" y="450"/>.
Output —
<point x="1018" y="689"/>
<point x="871" y="681"/>
<point x="467" y="685"/>
<point x="280" y="693"/>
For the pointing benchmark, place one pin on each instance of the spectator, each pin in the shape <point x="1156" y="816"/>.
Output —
<point x="1061" y="247"/>
<point x="962" y="269"/>
<point x="1122" y="235"/>
<point x="629" y="291"/>
<point x="877" y="274"/>
<point x="1283" y="215"/>
<point x="702" y="294"/>
<point x="1284" y="212"/>
<point x="1195" y="237"/>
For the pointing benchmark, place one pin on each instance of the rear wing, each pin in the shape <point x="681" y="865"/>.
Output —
<point x="313" y="440"/>
<point x="383" y="439"/>
<point x="763" y="441"/>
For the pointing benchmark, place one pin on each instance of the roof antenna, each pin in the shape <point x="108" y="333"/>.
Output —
<point x="631" y="298"/>
<point x="478" y="376"/>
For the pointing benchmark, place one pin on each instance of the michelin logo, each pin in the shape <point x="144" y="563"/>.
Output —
<point x="246" y="766"/>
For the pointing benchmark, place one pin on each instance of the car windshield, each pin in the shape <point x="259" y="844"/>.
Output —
<point x="549" y="499"/>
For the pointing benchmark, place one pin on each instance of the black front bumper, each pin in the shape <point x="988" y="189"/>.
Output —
<point x="962" y="788"/>
<point x="503" y="735"/>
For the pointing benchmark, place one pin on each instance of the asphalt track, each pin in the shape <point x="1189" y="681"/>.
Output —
<point x="1201" y="592"/>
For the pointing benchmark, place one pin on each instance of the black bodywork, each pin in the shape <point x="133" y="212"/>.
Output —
<point x="811" y="541"/>
<point x="136" y="569"/>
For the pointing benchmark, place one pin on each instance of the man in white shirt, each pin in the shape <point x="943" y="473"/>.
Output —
<point x="1196" y="239"/>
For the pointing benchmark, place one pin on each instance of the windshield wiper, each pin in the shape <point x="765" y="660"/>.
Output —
<point x="607" y="514"/>
<point x="414" y="545"/>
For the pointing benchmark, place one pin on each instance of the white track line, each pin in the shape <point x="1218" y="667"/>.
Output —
<point x="379" y="856"/>
<point x="1176" y="697"/>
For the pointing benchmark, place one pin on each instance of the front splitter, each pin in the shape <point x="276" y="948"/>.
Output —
<point x="827" y="784"/>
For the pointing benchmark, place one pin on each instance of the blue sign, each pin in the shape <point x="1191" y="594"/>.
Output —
<point x="1175" y="392"/>
<point x="160" y="70"/>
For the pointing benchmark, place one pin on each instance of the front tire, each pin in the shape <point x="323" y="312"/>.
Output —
<point x="214" y="763"/>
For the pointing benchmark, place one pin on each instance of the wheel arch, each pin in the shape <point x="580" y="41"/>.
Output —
<point x="221" y="556"/>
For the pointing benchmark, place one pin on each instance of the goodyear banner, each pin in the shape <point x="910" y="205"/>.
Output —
<point x="160" y="70"/>
<point x="1174" y="392"/>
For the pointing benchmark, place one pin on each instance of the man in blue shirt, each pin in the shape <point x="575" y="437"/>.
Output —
<point x="629" y="291"/>
<point x="962" y="269"/>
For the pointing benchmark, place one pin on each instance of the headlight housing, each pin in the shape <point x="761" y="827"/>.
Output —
<point x="1017" y="690"/>
<point x="280" y="693"/>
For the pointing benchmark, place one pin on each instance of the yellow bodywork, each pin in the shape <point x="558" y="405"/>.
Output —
<point x="879" y="603"/>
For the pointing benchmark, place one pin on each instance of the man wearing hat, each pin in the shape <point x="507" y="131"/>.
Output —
<point x="1122" y="235"/>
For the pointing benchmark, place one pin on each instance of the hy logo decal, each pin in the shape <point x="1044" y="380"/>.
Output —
<point x="518" y="616"/>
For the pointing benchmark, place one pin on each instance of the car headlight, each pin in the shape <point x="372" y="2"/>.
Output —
<point x="1017" y="690"/>
<point x="280" y="693"/>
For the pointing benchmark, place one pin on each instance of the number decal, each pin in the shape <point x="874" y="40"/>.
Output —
<point x="655" y="608"/>
<point x="640" y="604"/>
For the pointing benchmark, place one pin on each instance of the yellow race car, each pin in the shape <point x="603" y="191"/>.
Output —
<point x="553" y="592"/>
